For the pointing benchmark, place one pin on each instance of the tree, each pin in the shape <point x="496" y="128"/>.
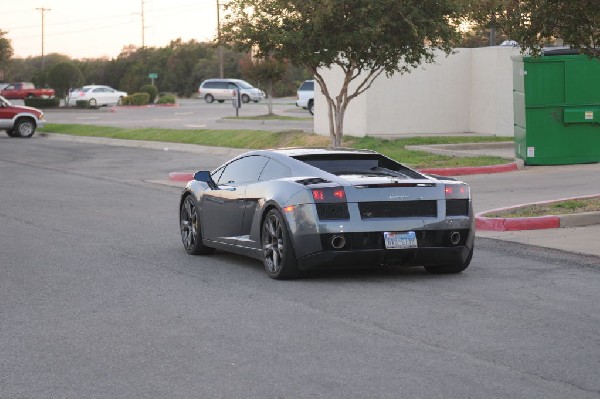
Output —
<point x="63" y="77"/>
<point x="265" y="70"/>
<point x="535" y="23"/>
<point x="6" y="52"/>
<point x="487" y="14"/>
<point x="364" y="38"/>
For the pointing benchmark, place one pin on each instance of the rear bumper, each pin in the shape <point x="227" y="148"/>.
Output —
<point x="430" y="256"/>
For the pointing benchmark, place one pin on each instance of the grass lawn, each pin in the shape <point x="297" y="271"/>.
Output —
<point x="260" y="139"/>
<point x="580" y="205"/>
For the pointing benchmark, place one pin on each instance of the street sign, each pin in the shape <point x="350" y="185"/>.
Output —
<point x="153" y="75"/>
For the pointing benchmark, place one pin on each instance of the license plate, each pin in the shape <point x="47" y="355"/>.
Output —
<point x="400" y="240"/>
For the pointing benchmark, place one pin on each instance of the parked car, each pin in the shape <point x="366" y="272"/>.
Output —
<point x="23" y="90"/>
<point x="306" y="95"/>
<point x="299" y="209"/>
<point x="96" y="95"/>
<point x="19" y="121"/>
<point x="221" y="90"/>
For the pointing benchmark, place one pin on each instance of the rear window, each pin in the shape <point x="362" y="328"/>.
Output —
<point x="307" y="85"/>
<point x="359" y="164"/>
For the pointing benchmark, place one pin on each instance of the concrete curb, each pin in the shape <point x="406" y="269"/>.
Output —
<point x="536" y="223"/>
<point x="473" y="170"/>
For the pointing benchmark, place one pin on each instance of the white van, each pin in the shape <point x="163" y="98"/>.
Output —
<point x="306" y="96"/>
<point x="221" y="90"/>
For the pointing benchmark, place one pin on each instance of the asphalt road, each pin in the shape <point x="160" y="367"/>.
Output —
<point x="99" y="300"/>
<point x="188" y="114"/>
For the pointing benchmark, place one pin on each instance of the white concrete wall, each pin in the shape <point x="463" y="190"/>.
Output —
<point x="467" y="92"/>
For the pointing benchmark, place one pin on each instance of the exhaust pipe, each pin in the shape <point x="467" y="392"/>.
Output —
<point x="455" y="237"/>
<point x="338" y="242"/>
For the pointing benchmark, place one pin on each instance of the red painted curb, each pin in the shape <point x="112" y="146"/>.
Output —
<point x="180" y="176"/>
<point x="472" y="170"/>
<point x="513" y="224"/>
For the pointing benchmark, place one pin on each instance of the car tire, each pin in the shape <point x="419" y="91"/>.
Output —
<point x="311" y="106"/>
<point x="24" y="127"/>
<point x="221" y="101"/>
<point x="451" y="269"/>
<point x="209" y="98"/>
<point x="245" y="98"/>
<point x="120" y="101"/>
<point x="190" y="226"/>
<point x="93" y="103"/>
<point x="12" y="133"/>
<point x="256" y="101"/>
<point x="279" y="257"/>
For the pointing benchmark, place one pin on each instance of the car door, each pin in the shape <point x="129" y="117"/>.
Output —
<point x="223" y="208"/>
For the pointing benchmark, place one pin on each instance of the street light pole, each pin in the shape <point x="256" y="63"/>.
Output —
<point x="43" y="11"/>
<point x="220" y="47"/>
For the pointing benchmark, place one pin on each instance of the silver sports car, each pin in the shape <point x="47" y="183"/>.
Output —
<point x="298" y="209"/>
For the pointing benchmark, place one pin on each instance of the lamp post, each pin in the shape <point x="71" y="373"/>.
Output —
<point x="220" y="47"/>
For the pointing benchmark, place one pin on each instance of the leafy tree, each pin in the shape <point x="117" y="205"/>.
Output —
<point x="6" y="52"/>
<point x="64" y="76"/>
<point x="490" y="15"/>
<point x="535" y="23"/>
<point x="266" y="70"/>
<point x="364" y="38"/>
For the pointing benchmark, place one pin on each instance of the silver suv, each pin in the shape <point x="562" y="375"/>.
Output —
<point x="306" y="95"/>
<point x="221" y="90"/>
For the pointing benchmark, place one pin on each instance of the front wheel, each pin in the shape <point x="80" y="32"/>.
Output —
<point x="191" y="231"/>
<point x="311" y="106"/>
<point x="12" y="133"/>
<point x="120" y="101"/>
<point x="24" y="128"/>
<point x="279" y="256"/>
<point x="93" y="103"/>
<point x="245" y="98"/>
<point x="451" y="269"/>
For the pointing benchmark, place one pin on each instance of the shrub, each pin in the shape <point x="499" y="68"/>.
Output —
<point x="151" y="90"/>
<point x="137" y="99"/>
<point x="166" y="99"/>
<point x="42" y="102"/>
<point x="82" y="104"/>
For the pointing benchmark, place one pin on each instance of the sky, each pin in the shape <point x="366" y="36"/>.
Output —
<point x="101" y="28"/>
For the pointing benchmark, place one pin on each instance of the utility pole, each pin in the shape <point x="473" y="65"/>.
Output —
<point x="220" y="47"/>
<point x="143" y="27"/>
<point x="43" y="11"/>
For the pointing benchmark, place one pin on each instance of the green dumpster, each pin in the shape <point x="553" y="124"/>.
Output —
<point x="557" y="109"/>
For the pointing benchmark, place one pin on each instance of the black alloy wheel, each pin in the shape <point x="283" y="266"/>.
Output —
<point x="279" y="256"/>
<point x="191" y="232"/>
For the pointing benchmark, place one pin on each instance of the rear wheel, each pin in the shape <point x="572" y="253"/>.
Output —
<point x="451" y="269"/>
<point x="24" y="127"/>
<point x="209" y="98"/>
<point x="191" y="231"/>
<point x="279" y="256"/>
<point x="221" y="101"/>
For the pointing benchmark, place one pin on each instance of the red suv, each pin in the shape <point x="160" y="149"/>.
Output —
<point x="19" y="121"/>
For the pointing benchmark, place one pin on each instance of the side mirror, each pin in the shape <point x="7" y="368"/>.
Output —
<point x="204" y="176"/>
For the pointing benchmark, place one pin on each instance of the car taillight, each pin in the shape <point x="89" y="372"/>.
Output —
<point x="329" y="194"/>
<point x="457" y="191"/>
<point x="331" y="203"/>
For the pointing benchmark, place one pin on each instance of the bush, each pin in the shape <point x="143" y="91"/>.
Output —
<point x="137" y="99"/>
<point x="42" y="102"/>
<point x="151" y="90"/>
<point x="82" y="104"/>
<point x="166" y="99"/>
